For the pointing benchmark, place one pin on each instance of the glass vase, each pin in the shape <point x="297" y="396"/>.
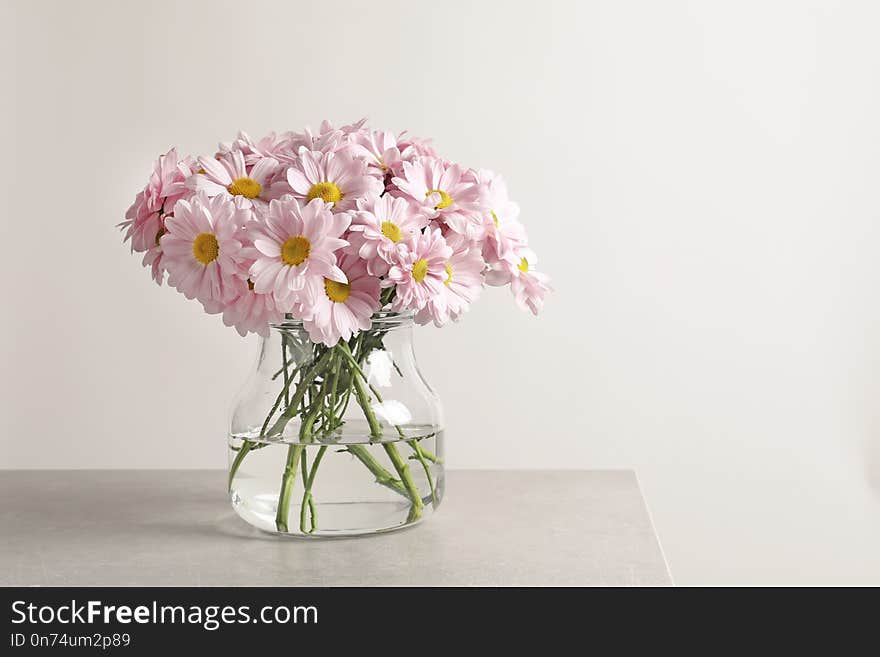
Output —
<point x="336" y="441"/>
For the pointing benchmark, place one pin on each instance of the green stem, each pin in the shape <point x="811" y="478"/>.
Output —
<point x="371" y="419"/>
<point x="334" y="418"/>
<point x="281" y="395"/>
<point x="285" y="363"/>
<point x="305" y="436"/>
<point x="387" y="296"/>
<point x="425" y="453"/>
<point x="304" y="383"/>
<point x="418" y="450"/>
<point x="304" y="464"/>
<point x="287" y="378"/>
<point x="364" y="401"/>
<point x="246" y="446"/>
<point x="355" y="367"/>
<point x="390" y="448"/>
<point x="329" y="422"/>
<point x="307" y="496"/>
<point x="403" y="471"/>
<point x="383" y="477"/>
<point x="293" y="454"/>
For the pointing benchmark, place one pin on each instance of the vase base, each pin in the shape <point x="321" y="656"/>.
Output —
<point x="342" y="533"/>
<point x="329" y="520"/>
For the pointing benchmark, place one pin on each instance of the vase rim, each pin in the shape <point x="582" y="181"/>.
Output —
<point x="380" y="319"/>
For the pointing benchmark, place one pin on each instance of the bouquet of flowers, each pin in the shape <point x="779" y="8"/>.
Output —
<point x="326" y="229"/>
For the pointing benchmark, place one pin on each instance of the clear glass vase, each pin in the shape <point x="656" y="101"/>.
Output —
<point x="336" y="441"/>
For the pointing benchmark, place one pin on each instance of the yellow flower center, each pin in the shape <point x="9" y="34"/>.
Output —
<point x="247" y="187"/>
<point x="523" y="265"/>
<point x="420" y="270"/>
<point x="445" y="199"/>
<point x="448" y="274"/>
<point x="159" y="235"/>
<point x="327" y="191"/>
<point x="250" y="284"/>
<point x="295" y="250"/>
<point x="494" y="218"/>
<point x="337" y="292"/>
<point x="205" y="248"/>
<point x="391" y="230"/>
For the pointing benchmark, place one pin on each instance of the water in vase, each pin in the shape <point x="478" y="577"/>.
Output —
<point x="328" y="488"/>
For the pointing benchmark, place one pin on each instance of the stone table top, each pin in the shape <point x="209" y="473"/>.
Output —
<point x="176" y="528"/>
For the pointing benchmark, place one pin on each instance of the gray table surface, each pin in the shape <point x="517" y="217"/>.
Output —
<point x="176" y="528"/>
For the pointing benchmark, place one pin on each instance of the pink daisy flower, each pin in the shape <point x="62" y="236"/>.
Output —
<point x="294" y="243"/>
<point x="339" y="310"/>
<point x="379" y="149"/>
<point x="415" y="147"/>
<point x="419" y="272"/>
<point x="251" y="312"/>
<point x="145" y="220"/>
<point x="278" y="147"/>
<point x="230" y="176"/>
<point x="529" y="287"/>
<point x="153" y="259"/>
<point x="444" y="194"/>
<point x="463" y="284"/>
<point x="202" y="249"/>
<point x="327" y="142"/>
<point x="380" y="227"/>
<point x="352" y="128"/>
<point x="328" y="139"/>
<point x="166" y="186"/>
<point x="333" y="177"/>
<point x="504" y="233"/>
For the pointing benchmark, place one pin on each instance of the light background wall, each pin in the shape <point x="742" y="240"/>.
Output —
<point x="699" y="178"/>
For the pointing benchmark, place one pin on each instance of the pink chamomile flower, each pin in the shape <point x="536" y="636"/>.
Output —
<point x="203" y="251"/>
<point x="251" y="312"/>
<point x="167" y="184"/>
<point x="327" y="139"/>
<point x="145" y="220"/>
<point x="413" y="147"/>
<point x="229" y="175"/>
<point x="294" y="243"/>
<point x="153" y="259"/>
<point x="462" y="286"/>
<point x="352" y="128"/>
<point x="419" y="272"/>
<point x="277" y="146"/>
<point x="334" y="177"/>
<point x="379" y="150"/>
<point x="529" y="286"/>
<point x="504" y="233"/>
<point x="444" y="193"/>
<point x="381" y="227"/>
<point x="336" y="310"/>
